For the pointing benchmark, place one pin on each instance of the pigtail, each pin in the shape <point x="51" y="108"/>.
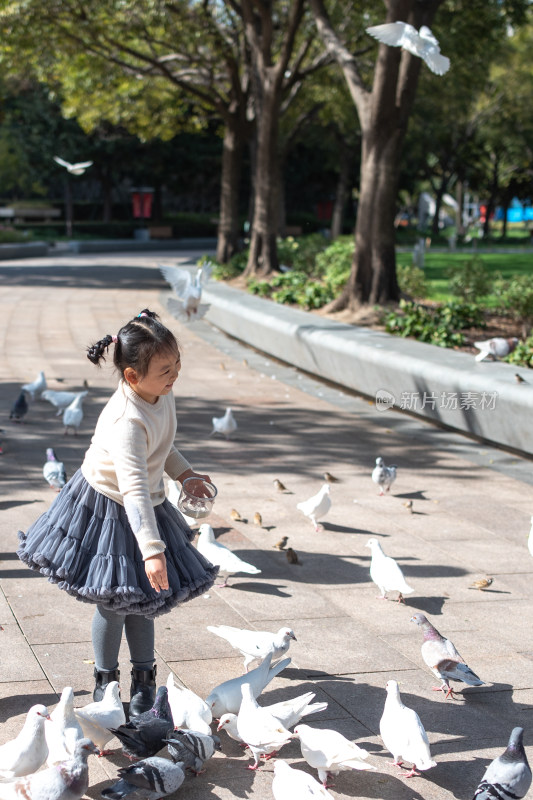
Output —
<point x="147" y="313"/>
<point x="97" y="351"/>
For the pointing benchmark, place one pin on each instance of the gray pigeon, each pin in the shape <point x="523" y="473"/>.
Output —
<point x="54" y="470"/>
<point x="67" y="780"/>
<point x="192" y="749"/>
<point x="508" y="777"/>
<point x="495" y="348"/>
<point x="19" y="409"/>
<point x="149" y="779"/>
<point x="443" y="659"/>
<point x="144" y="736"/>
<point x="227" y="696"/>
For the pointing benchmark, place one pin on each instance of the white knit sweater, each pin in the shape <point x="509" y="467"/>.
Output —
<point x="131" y="447"/>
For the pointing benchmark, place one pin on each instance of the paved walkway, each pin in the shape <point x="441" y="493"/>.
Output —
<point x="472" y="506"/>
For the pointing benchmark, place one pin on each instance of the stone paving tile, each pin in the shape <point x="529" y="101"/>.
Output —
<point x="470" y="518"/>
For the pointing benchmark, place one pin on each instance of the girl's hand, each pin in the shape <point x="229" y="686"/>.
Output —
<point x="156" y="571"/>
<point x="192" y="474"/>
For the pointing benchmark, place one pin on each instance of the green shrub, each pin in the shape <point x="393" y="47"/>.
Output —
<point x="335" y="262"/>
<point x="232" y="269"/>
<point x="412" y="281"/>
<point x="516" y="297"/>
<point x="300" y="254"/>
<point x="11" y="236"/>
<point x="522" y="355"/>
<point x="440" y="325"/>
<point x="295" y="288"/>
<point x="469" y="279"/>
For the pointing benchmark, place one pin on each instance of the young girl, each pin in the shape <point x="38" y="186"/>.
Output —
<point x="111" y="537"/>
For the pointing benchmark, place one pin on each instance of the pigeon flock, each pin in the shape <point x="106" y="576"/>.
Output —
<point x="48" y="759"/>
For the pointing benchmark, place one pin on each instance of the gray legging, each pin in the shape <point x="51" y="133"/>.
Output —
<point x="107" y="634"/>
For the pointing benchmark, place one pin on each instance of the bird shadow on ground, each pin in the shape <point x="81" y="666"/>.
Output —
<point x="429" y="605"/>
<point x="412" y="495"/>
<point x="264" y="588"/>
<point x="7" y="504"/>
<point x="331" y="526"/>
<point x="11" y="706"/>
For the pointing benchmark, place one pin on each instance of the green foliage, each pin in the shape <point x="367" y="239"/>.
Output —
<point x="232" y="269"/>
<point x="440" y="325"/>
<point x="9" y="236"/>
<point x="522" y="355"/>
<point x="412" y="281"/>
<point x="301" y="254"/>
<point x="295" y="288"/>
<point x="469" y="280"/>
<point x="335" y="262"/>
<point x="516" y="297"/>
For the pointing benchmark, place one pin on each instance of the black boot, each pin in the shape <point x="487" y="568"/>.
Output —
<point x="102" y="679"/>
<point x="143" y="689"/>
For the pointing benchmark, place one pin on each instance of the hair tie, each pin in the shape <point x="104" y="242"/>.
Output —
<point x="114" y="339"/>
<point x="142" y="314"/>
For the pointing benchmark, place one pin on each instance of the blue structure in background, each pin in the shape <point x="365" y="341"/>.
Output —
<point x="517" y="212"/>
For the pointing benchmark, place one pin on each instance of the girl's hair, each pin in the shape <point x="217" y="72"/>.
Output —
<point x="135" y="344"/>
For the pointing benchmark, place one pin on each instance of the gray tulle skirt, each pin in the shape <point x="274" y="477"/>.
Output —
<point x="85" y="544"/>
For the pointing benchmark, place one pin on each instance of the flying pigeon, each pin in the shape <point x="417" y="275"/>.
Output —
<point x="329" y="752"/>
<point x="225" y="425"/>
<point x="316" y="507"/>
<point x="290" y="783"/>
<point x="73" y="414"/>
<point x="97" y="718"/>
<point x="442" y="658"/>
<point x="495" y="348"/>
<point x="67" y="780"/>
<point x="386" y="573"/>
<point x="143" y="736"/>
<point x="508" y="777"/>
<point x="38" y="385"/>
<point x="54" y="471"/>
<point x="19" y="409"/>
<point x="530" y="538"/>
<point x="383" y="476"/>
<point x="148" y="779"/>
<point x="255" y="644"/>
<point x="226" y="697"/>
<point x="288" y="712"/>
<point x="403" y="734"/>
<point x="60" y="399"/>
<point x="262" y="732"/>
<point x="188" y="710"/>
<point x="420" y="43"/>
<point x="187" y="305"/>
<point x="27" y="752"/>
<point x="221" y="556"/>
<point x="62" y="730"/>
<point x="191" y="748"/>
<point x="74" y="169"/>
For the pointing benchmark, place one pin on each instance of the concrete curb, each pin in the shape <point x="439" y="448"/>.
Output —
<point x="23" y="250"/>
<point x="479" y="398"/>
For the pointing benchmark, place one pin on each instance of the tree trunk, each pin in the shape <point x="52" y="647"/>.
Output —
<point x="373" y="276"/>
<point x="263" y="255"/>
<point x="228" y="226"/>
<point x="494" y="186"/>
<point x="343" y="187"/>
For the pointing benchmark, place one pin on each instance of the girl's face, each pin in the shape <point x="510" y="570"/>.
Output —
<point x="163" y="370"/>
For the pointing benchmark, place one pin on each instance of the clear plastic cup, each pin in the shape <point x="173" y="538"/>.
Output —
<point x="196" y="498"/>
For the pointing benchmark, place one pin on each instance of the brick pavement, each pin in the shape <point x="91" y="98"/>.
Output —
<point x="472" y="507"/>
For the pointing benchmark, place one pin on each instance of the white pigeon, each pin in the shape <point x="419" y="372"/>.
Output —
<point x="173" y="495"/>
<point x="54" y="470"/>
<point x="148" y="779"/>
<point x="294" y="784"/>
<point x="68" y="780"/>
<point x="62" y="730"/>
<point x="187" y="305"/>
<point x="330" y="752"/>
<point x="38" y="385"/>
<point x="263" y="733"/>
<point x="73" y="414"/>
<point x="530" y="538"/>
<point x="188" y="710"/>
<point x="27" y="752"/>
<point x="221" y="556"/>
<point x="255" y="645"/>
<point x="73" y="169"/>
<point x="225" y="425"/>
<point x="403" y="733"/>
<point x="60" y="399"/>
<point x="226" y="697"/>
<point x="316" y="507"/>
<point x="386" y="573"/>
<point x="420" y="43"/>
<point x="96" y="718"/>
<point x="495" y="348"/>
<point x="384" y="476"/>
<point x="288" y="712"/>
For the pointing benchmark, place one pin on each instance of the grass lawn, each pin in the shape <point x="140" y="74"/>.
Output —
<point x="437" y="264"/>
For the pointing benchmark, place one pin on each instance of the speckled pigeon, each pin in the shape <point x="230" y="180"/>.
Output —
<point x="143" y="736"/>
<point x="149" y="779"/>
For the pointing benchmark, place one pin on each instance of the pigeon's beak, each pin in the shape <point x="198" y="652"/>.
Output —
<point x="293" y="637"/>
<point x="219" y="728"/>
